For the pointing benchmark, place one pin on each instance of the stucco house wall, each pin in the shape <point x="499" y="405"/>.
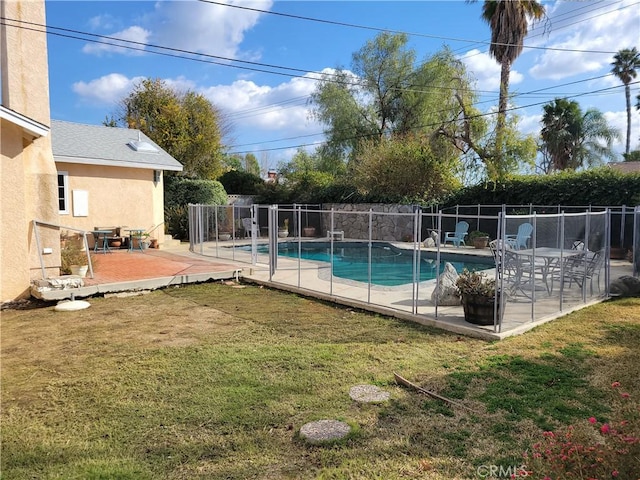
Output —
<point x="117" y="197"/>
<point x="28" y="176"/>
<point x="118" y="171"/>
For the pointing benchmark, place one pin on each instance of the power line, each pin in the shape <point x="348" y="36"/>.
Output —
<point x="479" y="115"/>
<point x="364" y="27"/>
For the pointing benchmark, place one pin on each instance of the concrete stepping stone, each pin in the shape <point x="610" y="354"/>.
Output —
<point x="322" y="431"/>
<point x="368" y="394"/>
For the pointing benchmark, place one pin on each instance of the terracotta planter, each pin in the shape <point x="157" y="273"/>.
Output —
<point x="481" y="242"/>
<point x="153" y="243"/>
<point x="617" y="253"/>
<point x="478" y="309"/>
<point x="309" y="232"/>
<point x="115" y="243"/>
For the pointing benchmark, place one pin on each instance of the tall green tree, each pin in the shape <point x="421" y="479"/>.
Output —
<point x="573" y="139"/>
<point x="509" y="23"/>
<point x="626" y="64"/>
<point x="186" y="125"/>
<point x="404" y="167"/>
<point x="385" y="95"/>
<point x="365" y="102"/>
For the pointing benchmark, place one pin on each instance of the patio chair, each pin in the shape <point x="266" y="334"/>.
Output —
<point x="584" y="268"/>
<point x="457" y="237"/>
<point x="246" y="226"/>
<point x="518" y="272"/>
<point x="520" y="240"/>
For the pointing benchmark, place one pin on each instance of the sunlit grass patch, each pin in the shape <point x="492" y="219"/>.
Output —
<point x="209" y="381"/>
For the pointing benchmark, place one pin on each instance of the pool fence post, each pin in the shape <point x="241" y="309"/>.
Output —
<point x="623" y="218"/>
<point x="635" y="245"/>
<point x="607" y="250"/>
<point x="254" y="234"/>
<point x="299" y="218"/>
<point x="369" y="270"/>
<point x="417" y="228"/>
<point x="532" y="275"/>
<point x="499" y="261"/>
<point x="331" y="251"/>
<point x="438" y="262"/>
<point x="561" y="259"/>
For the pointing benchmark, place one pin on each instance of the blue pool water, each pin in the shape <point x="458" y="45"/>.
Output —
<point x="390" y="266"/>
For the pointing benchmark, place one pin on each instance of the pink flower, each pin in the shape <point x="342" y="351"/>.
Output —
<point x="615" y="384"/>
<point x="624" y="395"/>
<point x="592" y="420"/>
<point x="614" y="473"/>
<point x="604" y="429"/>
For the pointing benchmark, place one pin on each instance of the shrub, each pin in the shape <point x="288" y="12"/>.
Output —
<point x="71" y="253"/>
<point x="593" y="448"/>
<point x="177" y="221"/>
<point x="476" y="283"/>
<point x="241" y="183"/>
<point x="179" y="191"/>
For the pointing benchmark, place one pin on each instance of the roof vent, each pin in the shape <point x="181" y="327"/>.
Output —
<point x="142" y="146"/>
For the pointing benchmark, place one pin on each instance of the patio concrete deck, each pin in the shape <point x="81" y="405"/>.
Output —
<point x="121" y="271"/>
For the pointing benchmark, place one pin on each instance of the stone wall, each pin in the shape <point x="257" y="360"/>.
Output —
<point x="385" y="227"/>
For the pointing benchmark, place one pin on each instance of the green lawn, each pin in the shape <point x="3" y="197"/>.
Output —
<point x="214" y="381"/>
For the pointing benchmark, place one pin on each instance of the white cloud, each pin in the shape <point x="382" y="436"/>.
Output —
<point x="619" y="120"/>
<point x="529" y="124"/>
<point x="593" y="28"/>
<point x="282" y="107"/>
<point x="131" y="34"/>
<point x="106" y="90"/>
<point x="103" y="22"/>
<point x="486" y="71"/>
<point x="204" y="27"/>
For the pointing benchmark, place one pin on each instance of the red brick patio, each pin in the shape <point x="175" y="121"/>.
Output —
<point x="124" y="266"/>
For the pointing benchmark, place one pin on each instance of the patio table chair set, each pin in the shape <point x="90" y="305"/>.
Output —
<point x="525" y="271"/>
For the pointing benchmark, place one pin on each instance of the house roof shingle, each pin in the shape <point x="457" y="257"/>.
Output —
<point x="100" y="145"/>
<point x="625" y="167"/>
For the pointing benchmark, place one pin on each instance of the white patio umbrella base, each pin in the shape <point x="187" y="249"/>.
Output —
<point x="71" y="305"/>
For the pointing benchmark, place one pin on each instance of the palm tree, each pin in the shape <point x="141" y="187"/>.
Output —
<point x="572" y="139"/>
<point x="625" y="63"/>
<point x="508" y="20"/>
<point x="561" y="125"/>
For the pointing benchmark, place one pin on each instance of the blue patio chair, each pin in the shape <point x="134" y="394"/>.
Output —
<point x="521" y="239"/>
<point x="457" y="237"/>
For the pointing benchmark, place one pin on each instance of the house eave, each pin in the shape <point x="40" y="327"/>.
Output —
<point x="28" y="125"/>
<point x="115" y="163"/>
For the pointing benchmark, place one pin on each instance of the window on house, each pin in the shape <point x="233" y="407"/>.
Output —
<point x="63" y="192"/>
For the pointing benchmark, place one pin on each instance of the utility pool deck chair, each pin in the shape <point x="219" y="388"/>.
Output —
<point x="521" y="239"/>
<point x="246" y="226"/>
<point x="457" y="237"/>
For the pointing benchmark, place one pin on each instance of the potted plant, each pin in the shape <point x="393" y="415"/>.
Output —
<point x="479" y="239"/>
<point x="73" y="259"/>
<point x="478" y="293"/>
<point x="309" y="231"/>
<point x="283" y="232"/>
<point x="225" y="224"/>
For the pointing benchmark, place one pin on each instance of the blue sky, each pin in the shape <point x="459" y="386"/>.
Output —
<point x="269" y="112"/>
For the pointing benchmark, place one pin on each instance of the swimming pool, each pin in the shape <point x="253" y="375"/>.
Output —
<point x="390" y="266"/>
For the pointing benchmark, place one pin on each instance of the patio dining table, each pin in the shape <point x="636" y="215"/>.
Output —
<point x="135" y="233"/>
<point x="101" y="241"/>
<point x="552" y="260"/>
